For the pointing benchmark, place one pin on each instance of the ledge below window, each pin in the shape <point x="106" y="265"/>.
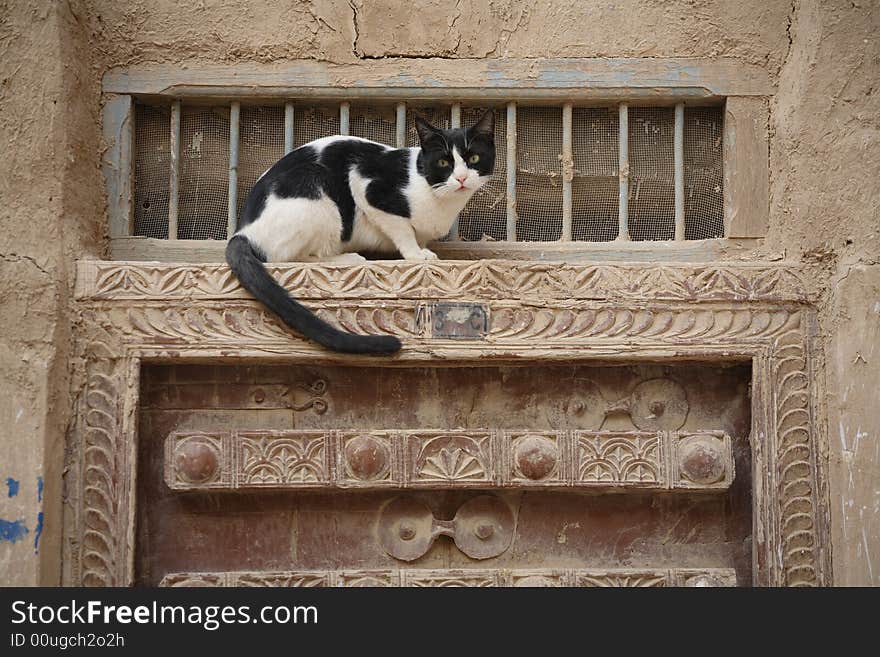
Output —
<point x="197" y="251"/>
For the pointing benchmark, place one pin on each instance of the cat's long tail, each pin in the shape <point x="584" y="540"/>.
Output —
<point x="247" y="264"/>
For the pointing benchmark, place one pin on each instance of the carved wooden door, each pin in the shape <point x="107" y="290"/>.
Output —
<point x="532" y="474"/>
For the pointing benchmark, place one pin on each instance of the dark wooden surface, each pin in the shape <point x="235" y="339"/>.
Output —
<point x="186" y="532"/>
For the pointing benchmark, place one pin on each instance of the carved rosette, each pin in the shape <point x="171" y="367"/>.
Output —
<point x="160" y="312"/>
<point x="496" y="577"/>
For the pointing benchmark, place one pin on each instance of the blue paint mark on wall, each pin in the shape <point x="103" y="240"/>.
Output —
<point x="39" y="489"/>
<point x="12" y="531"/>
<point x="12" y="485"/>
<point x="37" y="531"/>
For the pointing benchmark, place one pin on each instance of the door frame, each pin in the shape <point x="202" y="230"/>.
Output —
<point x="131" y="313"/>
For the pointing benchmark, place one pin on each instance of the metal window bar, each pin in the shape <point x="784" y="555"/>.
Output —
<point x="623" y="169"/>
<point x="455" y="116"/>
<point x="401" y="125"/>
<point x="288" y="127"/>
<point x="234" y="116"/>
<point x="511" y="172"/>
<point x="679" y="172"/>
<point x="174" y="177"/>
<point x="455" y="121"/>
<point x="567" y="172"/>
<point x="344" y="113"/>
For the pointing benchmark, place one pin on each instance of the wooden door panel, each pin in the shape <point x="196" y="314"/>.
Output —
<point x="577" y="534"/>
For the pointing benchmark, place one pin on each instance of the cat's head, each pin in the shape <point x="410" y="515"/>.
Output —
<point x="460" y="160"/>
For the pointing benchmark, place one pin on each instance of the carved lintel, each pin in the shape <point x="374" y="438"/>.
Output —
<point x="463" y="577"/>
<point x="488" y="279"/>
<point x="414" y="458"/>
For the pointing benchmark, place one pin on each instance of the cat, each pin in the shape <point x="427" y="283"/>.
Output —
<point x="335" y="196"/>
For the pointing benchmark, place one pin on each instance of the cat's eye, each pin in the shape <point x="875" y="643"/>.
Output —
<point x="473" y="159"/>
<point x="443" y="163"/>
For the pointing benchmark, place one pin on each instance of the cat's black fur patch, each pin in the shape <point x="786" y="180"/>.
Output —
<point x="296" y="175"/>
<point x="305" y="173"/>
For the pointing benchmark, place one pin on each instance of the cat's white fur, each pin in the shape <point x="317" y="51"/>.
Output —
<point x="302" y="230"/>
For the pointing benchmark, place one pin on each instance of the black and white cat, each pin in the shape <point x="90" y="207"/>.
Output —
<point x="335" y="196"/>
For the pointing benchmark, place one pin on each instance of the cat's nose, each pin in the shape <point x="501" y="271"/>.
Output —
<point x="461" y="179"/>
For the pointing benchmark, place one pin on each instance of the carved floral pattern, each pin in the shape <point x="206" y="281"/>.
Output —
<point x="624" y="580"/>
<point x="277" y="458"/>
<point x="454" y="458"/>
<point x="610" y="457"/>
<point x="282" y="580"/>
<point x="493" y="279"/>
<point x="500" y="577"/>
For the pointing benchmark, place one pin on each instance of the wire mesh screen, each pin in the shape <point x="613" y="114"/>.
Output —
<point x="260" y="145"/>
<point x="204" y="173"/>
<point x="376" y="123"/>
<point x="439" y="117"/>
<point x="152" y="169"/>
<point x="312" y="123"/>
<point x="703" y="172"/>
<point x="538" y="174"/>
<point x="595" y="187"/>
<point x="485" y="215"/>
<point x="652" y="173"/>
<point x="204" y="167"/>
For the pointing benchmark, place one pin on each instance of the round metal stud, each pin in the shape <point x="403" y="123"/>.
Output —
<point x="586" y="408"/>
<point x="367" y="458"/>
<point x="701" y="459"/>
<point x="536" y="457"/>
<point x="405" y="528"/>
<point x="700" y="581"/>
<point x="484" y="527"/>
<point x="659" y="405"/>
<point x="197" y="461"/>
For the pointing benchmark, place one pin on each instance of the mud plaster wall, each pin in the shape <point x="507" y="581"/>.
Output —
<point x="51" y="212"/>
<point x="824" y="162"/>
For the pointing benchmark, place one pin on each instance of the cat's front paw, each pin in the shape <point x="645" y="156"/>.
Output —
<point x="422" y="254"/>
<point x="348" y="259"/>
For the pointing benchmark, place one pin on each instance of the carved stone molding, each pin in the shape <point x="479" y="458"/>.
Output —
<point x="469" y="577"/>
<point x="295" y="460"/>
<point x="489" y="279"/>
<point x="99" y="470"/>
<point x="540" y="312"/>
<point x="212" y="324"/>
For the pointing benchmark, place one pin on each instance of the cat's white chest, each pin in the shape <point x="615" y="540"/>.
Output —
<point x="432" y="216"/>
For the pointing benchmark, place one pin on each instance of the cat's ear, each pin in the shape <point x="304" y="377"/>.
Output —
<point x="485" y="127"/>
<point x="426" y="130"/>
